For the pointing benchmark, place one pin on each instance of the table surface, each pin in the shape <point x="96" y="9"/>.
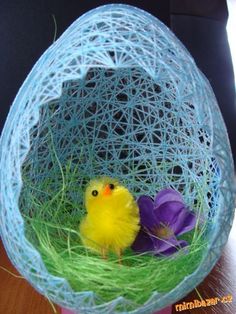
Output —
<point x="18" y="297"/>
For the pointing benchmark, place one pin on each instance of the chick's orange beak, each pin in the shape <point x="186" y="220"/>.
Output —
<point x="107" y="190"/>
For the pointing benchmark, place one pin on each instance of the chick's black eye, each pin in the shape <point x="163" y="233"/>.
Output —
<point x="94" y="192"/>
<point x="111" y="185"/>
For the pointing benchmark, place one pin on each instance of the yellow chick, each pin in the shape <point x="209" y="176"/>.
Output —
<point x="112" y="220"/>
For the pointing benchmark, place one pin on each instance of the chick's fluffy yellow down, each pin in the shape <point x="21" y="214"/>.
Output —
<point x="112" y="222"/>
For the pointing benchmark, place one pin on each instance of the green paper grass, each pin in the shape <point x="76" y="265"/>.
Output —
<point x="52" y="219"/>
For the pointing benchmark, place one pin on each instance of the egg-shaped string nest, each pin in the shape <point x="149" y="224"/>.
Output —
<point x="116" y="95"/>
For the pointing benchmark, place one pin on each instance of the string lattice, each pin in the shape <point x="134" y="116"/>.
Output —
<point x="118" y="95"/>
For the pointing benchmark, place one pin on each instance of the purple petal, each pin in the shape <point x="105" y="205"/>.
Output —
<point x="147" y="217"/>
<point x="186" y="222"/>
<point x="167" y="195"/>
<point x="143" y="243"/>
<point x="162" y="245"/>
<point x="168" y="212"/>
<point x="169" y="246"/>
<point x="173" y="249"/>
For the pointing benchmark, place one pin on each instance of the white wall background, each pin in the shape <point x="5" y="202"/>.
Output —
<point x="231" y="30"/>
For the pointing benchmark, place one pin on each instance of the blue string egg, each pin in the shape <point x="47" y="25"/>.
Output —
<point x="119" y="95"/>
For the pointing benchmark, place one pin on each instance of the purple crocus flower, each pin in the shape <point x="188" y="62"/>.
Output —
<point x="162" y="220"/>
